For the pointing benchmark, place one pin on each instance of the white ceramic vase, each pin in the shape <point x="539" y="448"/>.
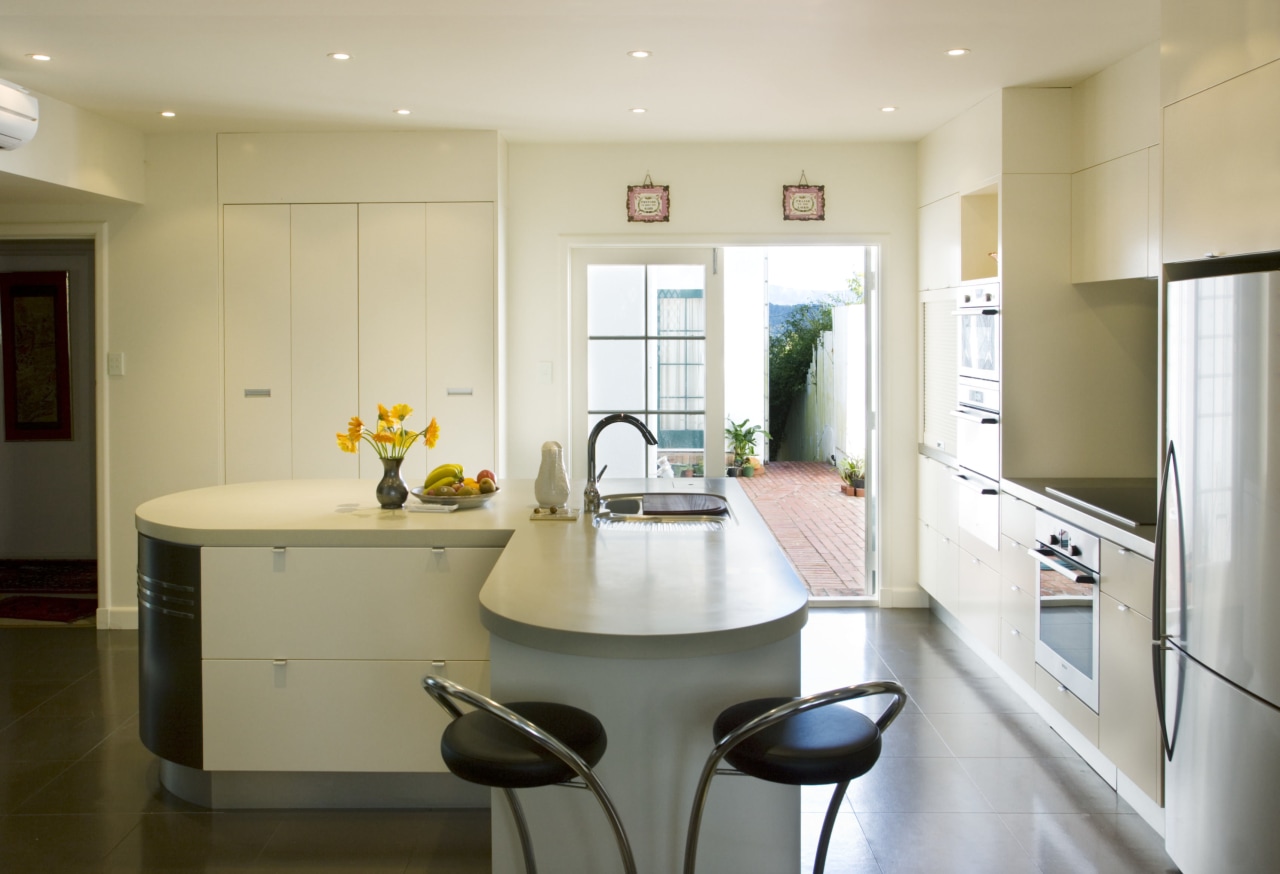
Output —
<point x="551" y="488"/>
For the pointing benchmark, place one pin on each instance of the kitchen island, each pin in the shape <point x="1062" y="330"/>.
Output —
<point x="292" y="674"/>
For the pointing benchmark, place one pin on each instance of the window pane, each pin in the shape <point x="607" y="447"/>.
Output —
<point x="615" y="300"/>
<point x="679" y="374"/>
<point x="615" y="375"/>
<point x="680" y="433"/>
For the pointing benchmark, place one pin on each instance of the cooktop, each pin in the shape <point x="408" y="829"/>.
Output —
<point x="1133" y="505"/>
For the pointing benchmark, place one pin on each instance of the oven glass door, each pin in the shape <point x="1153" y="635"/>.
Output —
<point x="1067" y="624"/>
<point x="979" y="343"/>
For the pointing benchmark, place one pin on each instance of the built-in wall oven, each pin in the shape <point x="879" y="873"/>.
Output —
<point x="977" y="415"/>
<point x="1067" y="605"/>
<point x="978" y="313"/>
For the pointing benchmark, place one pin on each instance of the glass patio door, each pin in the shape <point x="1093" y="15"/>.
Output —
<point x="648" y="330"/>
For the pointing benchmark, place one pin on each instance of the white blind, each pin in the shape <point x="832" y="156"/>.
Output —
<point x="938" y="372"/>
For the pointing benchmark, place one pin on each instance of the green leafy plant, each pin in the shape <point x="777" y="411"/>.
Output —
<point x="741" y="437"/>
<point x="791" y="352"/>
<point x="852" y="470"/>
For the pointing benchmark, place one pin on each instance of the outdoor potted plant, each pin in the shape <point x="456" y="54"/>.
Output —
<point x="741" y="438"/>
<point x="853" y="471"/>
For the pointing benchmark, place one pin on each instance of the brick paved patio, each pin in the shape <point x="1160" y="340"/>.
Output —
<point x="821" y="530"/>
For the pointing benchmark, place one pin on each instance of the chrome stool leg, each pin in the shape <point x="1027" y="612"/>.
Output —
<point x="828" y="824"/>
<point x="522" y="829"/>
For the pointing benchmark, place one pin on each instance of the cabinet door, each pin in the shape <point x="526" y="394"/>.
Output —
<point x="255" y="278"/>
<point x="393" y="323"/>
<point x="343" y="603"/>
<point x="1128" y="727"/>
<point x="461" y="328"/>
<point x="298" y="715"/>
<point x="1221" y="184"/>
<point x="1127" y="576"/>
<point x="939" y="236"/>
<point x="324" y="337"/>
<point x="978" y="600"/>
<point x="1109" y="220"/>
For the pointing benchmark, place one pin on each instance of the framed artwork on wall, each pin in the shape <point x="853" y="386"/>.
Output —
<point x="803" y="202"/>
<point x="36" y="352"/>
<point x="648" y="202"/>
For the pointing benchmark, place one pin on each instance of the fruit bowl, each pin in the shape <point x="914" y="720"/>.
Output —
<point x="462" y="502"/>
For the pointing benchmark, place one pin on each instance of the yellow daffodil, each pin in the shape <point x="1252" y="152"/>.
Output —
<point x="389" y="437"/>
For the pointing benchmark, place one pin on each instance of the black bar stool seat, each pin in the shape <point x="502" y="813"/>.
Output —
<point x="480" y="748"/>
<point x="814" y="748"/>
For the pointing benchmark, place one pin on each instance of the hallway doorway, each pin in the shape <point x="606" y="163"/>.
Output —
<point x="48" y="513"/>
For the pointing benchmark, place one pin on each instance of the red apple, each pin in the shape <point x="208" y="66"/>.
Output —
<point x="486" y="474"/>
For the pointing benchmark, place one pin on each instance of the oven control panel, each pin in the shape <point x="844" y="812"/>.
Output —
<point x="1069" y="540"/>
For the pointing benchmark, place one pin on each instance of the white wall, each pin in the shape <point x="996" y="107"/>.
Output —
<point x="720" y="194"/>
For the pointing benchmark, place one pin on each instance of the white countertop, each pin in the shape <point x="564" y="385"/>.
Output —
<point x="561" y="586"/>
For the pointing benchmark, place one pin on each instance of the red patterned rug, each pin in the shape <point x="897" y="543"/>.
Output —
<point x="46" y="608"/>
<point x="70" y="577"/>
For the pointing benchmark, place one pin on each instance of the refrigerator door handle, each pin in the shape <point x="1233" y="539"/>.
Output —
<point x="1160" y="643"/>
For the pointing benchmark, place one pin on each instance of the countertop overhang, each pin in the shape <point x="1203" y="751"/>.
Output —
<point x="568" y="587"/>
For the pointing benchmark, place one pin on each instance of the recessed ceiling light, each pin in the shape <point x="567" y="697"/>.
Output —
<point x="888" y="109"/>
<point x="40" y="57"/>
<point x="955" y="53"/>
<point x="402" y="112"/>
<point x="638" y="110"/>
<point x="340" y="56"/>
<point x="639" y="53"/>
<point x="168" y="113"/>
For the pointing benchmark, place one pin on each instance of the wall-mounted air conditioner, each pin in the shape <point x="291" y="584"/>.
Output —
<point x="19" y="115"/>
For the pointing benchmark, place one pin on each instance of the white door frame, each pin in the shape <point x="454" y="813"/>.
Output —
<point x="874" y="372"/>
<point x="96" y="231"/>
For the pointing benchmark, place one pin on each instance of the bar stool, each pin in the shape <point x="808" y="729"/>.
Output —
<point x="523" y="745"/>
<point x="799" y="742"/>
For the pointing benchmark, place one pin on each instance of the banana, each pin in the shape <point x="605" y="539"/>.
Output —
<point x="444" y="470"/>
<point x="442" y="481"/>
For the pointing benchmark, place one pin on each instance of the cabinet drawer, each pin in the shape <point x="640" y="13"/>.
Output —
<point x="1127" y="577"/>
<point x="344" y="603"/>
<point x="326" y="715"/>
<point x="1018" y="651"/>
<point x="1017" y="578"/>
<point x="1017" y="519"/>
<point x="1061" y="700"/>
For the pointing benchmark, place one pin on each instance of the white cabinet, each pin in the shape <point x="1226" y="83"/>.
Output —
<point x="1205" y="44"/>
<point x="1128" y="726"/>
<point x="306" y="649"/>
<point x="1059" y="697"/>
<point x="939" y="234"/>
<point x="1221" y="175"/>
<point x="332" y="309"/>
<point x="258" y="372"/>
<point x="1110" y="216"/>
<point x="978" y="599"/>
<point x="461" y="334"/>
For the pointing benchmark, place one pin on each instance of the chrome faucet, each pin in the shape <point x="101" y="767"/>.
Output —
<point x="591" y="497"/>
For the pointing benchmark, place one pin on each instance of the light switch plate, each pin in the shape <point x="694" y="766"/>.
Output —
<point x="115" y="364"/>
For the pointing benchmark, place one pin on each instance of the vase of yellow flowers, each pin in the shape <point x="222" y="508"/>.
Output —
<point x="391" y="441"/>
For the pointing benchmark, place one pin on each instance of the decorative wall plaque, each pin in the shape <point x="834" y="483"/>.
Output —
<point x="803" y="202"/>
<point x="648" y="202"/>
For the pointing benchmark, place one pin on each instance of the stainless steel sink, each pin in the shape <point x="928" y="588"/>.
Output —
<point x="679" y="509"/>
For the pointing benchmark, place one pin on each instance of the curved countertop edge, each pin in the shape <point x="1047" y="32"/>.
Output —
<point x="742" y="568"/>
<point x="1141" y="539"/>
<point x="654" y="646"/>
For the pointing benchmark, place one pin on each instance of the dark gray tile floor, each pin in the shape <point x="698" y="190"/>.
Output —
<point x="970" y="779"/>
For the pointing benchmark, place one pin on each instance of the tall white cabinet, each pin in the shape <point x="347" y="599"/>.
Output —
<point x="331" y="309"/>
<point x="359" y="269"/>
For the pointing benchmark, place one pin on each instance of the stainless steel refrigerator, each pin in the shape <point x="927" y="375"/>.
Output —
<point x="1218" y="569"/>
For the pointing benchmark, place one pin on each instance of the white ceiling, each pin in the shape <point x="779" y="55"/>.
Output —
<point x="557" y="70"/>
